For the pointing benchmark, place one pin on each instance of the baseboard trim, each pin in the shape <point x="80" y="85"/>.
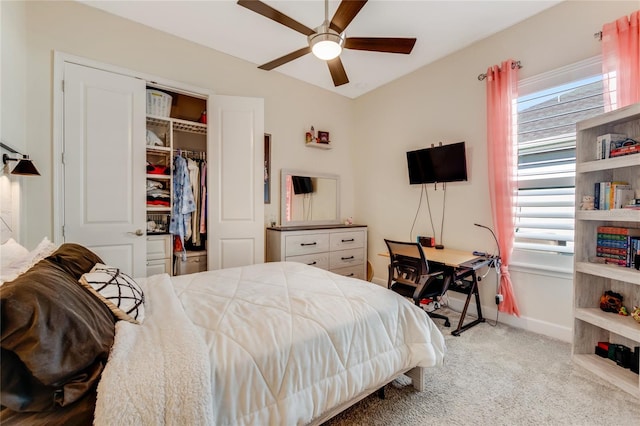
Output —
<point x="534" y="325"/>
<point x="526" y="323"/>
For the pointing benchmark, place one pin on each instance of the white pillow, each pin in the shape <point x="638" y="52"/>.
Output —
<point x="10" y="251"/>
<point x="117" y="290"/>
<point x="22" y="264"/>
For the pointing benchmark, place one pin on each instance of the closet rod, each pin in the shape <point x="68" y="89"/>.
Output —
<point x="200" y="155"/>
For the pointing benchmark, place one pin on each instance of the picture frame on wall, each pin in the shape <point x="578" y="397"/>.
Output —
<point x="323" y="137"/>
<point x="267" y="168"/>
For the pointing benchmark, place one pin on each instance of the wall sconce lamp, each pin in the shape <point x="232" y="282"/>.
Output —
<point x="24" y="167"/>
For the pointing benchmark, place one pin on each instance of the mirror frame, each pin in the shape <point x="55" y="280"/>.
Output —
<point x="283" y="199"/>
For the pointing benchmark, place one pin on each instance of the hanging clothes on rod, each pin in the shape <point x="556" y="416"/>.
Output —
<point x="203" y="197"/>
<point x="183" y="204"/>
<point x="194" y="178"/>
<point x="194" y="224"/>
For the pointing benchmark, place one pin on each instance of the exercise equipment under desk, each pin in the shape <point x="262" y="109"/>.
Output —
<point x="460" y="269"/>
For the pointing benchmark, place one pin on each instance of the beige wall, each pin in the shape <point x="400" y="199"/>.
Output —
<point x="12" y="112"/>
<point x="441" y="102"/>
<point x="446" y="102"/>
<point x="291" y="106"/>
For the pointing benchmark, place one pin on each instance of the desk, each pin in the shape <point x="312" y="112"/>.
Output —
<point x="459" y="266"/>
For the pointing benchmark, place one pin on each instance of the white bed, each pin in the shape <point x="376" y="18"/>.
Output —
<point x="266" y="344"/>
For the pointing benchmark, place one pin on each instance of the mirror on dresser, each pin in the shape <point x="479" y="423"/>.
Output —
<point x="309" y="198"/>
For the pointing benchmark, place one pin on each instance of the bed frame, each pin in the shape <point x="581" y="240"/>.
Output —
<point x="418" y="381"/>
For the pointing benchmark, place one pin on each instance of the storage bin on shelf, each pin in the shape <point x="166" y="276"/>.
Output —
<point x="158" y="103"/>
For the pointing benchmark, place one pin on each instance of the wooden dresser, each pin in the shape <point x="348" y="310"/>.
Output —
<point x="338" y="248"/>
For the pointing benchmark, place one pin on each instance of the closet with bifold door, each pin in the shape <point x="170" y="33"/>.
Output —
<point x="176" y="146"/>
<point x="156" y="176"/>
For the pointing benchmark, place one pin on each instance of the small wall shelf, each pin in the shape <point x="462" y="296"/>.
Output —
<point x="319" y="145"/>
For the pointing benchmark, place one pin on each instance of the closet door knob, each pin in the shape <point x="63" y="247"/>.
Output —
<point x="138" y="232"/>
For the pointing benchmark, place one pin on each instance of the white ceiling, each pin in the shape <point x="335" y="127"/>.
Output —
<point x="441" y="27"/>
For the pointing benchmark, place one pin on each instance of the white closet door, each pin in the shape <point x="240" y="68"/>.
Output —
<point x="236" y="182"/>
<point x="104" y="165"/>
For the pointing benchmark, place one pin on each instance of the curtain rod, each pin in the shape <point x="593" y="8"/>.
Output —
<point x="514" y="65"/>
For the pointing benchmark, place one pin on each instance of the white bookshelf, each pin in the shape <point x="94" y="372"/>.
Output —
<point x="591" y="279"/>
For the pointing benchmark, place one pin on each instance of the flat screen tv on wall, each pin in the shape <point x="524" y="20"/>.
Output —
<point x="302" y="184"/>
<point x="444" y="163"/>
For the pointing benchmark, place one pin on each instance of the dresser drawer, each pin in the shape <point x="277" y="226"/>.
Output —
<point x="158" y="247"/>
<point x="160" y="266"/>
<point x="356" y="271"/>
<point x="344" y="258"/>
<point x="306" y="244"/>
<point x="319" y="260"/>
<point x="347" y="240"/>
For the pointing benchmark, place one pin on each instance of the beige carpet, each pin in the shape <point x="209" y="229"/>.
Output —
<point x="500" y="376"/>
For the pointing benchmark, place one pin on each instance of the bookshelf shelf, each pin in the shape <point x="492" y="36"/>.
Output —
<point x="609" y="163"/>
<point x="628" y="215"/>
<point x="591" y="279"/>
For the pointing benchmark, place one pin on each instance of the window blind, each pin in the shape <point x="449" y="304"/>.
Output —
<point x="546" y="138"/>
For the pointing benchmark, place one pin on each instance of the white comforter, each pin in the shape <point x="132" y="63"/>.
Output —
<point x="287" y="342"/>
<point x="158" y="373"/>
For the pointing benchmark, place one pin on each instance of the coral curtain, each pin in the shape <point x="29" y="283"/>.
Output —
<point x="502" y="93"/>
<point x="289" y="199"/>
<point x="621" y="61"/>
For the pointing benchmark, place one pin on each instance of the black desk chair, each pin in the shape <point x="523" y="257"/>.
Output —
<point x="409" y="275"/>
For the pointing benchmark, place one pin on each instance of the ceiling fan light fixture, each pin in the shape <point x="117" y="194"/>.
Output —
<point x="326" y="44"/>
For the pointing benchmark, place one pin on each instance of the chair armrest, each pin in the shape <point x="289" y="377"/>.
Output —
<point x="425" y="280"/>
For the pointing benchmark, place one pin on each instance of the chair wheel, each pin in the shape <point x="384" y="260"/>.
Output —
<point x="447" y="323"/>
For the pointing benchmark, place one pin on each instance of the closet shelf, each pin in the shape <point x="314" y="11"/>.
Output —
<point x="158" y="209"/>
<point x="178" y="124"/>
<point x="158" y="149"/>
<point x="189" y="126"/>
<point x="158" y="121"/>
<point x="159" y="177"/>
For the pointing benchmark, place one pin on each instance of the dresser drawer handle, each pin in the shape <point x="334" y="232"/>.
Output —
<point x="347" y="258"/>
<point x="308" y="244"/>
<point x="350" y="275"/>
<point x="350" y="240"/>
<point x="312" y="263"/>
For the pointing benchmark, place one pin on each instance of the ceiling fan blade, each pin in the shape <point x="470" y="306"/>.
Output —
<point x="284" y="59"/>
<point x="380" y="44"/>
<point x="338" y="74"/>
<point x="269" y="12"/>
<point x="347" y="10"/>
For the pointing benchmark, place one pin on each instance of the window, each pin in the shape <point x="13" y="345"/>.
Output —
<point x="548" y="108"/>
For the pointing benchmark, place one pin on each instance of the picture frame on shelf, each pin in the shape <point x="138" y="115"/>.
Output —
<point x="323" y="137"/>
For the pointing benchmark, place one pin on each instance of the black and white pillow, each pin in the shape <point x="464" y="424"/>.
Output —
<point x="117" y="290"/>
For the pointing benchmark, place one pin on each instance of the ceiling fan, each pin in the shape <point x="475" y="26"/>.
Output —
<point x="327" y="41"/>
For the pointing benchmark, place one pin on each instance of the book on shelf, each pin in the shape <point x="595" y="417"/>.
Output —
<point x="633" y="204"/>
<point x="603" y="144"/>
<point x="626" y="146"/>
<point x="612" y="195"/>
<point x="617" y="245"/>
<point x="625" y="150"/>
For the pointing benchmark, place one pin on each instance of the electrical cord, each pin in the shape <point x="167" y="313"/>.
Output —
<point x="433" y="229"/>
<point x="496" y="264"/>
<point x="444" y="202"/>
<point x="424" y="191"/>
<point x="417" y="211"/>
